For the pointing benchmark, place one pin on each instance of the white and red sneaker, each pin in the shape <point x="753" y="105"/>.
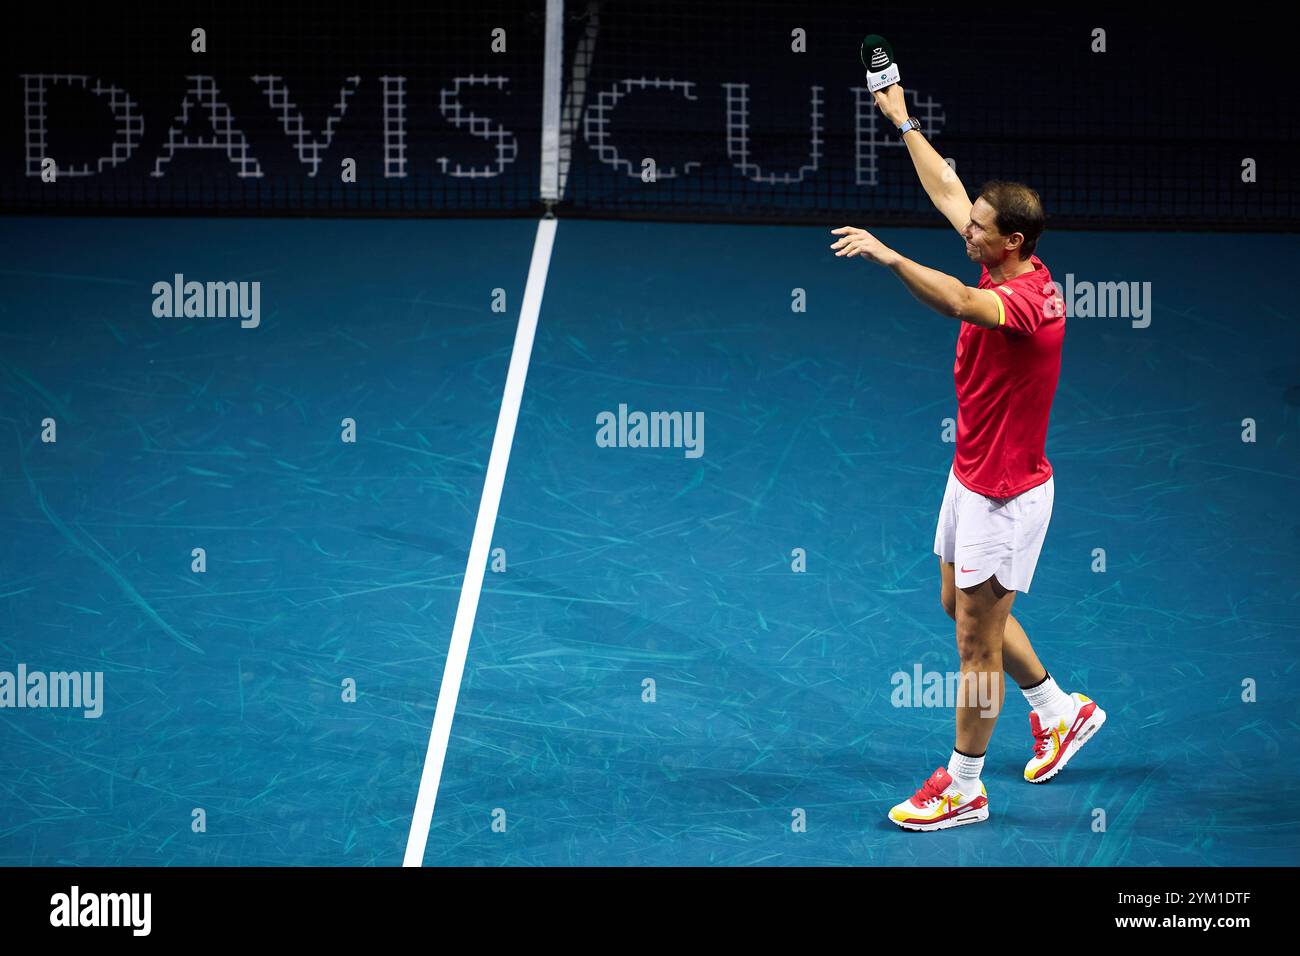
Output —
<point x="938" y="806"/>
<point x="1055" y="744"/>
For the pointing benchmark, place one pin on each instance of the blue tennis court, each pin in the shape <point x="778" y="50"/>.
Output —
<point x="326" y="561"/>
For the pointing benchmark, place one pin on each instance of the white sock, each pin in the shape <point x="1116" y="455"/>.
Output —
<point x="1050" y="701"/>
<point x="965" y="772"/>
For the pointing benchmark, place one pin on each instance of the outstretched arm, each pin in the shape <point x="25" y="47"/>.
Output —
<point x="938" y="290"/>
<point x="940" y="181"/>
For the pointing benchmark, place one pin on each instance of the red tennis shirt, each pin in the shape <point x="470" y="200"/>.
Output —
<point x="1006" y="378"/>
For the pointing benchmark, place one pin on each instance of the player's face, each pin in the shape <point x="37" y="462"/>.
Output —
<point x="984" y="244"/>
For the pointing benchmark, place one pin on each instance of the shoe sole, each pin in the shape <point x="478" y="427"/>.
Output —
<point x="1093" y="725"/>
<point x="975" y="816"/>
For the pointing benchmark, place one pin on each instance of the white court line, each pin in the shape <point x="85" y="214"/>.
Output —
<point x="482" y="541"/>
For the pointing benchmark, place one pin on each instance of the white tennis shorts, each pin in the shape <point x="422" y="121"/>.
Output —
<point x="983" y="537"/>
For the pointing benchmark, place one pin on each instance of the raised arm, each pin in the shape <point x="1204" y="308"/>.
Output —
<point x="940" y="181"/>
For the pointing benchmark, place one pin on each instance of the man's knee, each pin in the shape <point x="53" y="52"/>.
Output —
<point x="979" y="643"/>
<point x="976" y="650"/>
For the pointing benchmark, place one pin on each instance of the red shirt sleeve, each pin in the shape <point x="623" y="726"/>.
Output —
<point x="1027" y="305"/>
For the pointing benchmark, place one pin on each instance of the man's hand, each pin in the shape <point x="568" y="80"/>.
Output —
<point x="892" y="104"/>
<point x="859" y="242"/>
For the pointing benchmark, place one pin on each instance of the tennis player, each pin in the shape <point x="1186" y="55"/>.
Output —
<point x="998" y="499"/>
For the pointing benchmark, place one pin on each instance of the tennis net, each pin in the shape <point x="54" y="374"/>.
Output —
<point x="754" y="111"/>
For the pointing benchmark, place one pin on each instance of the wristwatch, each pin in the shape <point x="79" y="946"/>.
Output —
<point x="911" y="124"/>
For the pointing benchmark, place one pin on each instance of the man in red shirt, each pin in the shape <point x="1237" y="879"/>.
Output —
<point x="998" y="499"/>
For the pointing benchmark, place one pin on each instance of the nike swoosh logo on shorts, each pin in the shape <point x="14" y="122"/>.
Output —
<point x="965" y="570"/>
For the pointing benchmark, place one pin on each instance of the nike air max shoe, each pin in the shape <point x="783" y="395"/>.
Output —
<point x="938" y="805"/>
<point x="1056" y="743"/>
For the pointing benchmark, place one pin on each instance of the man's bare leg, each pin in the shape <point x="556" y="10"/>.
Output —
<point x="956" y="796"/>
<point x="1044" y="697"/>
<point x="1018" y="657"/>
<point x="982" y="613"/>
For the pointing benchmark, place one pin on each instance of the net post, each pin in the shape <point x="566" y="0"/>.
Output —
<point x="553" y="67"/>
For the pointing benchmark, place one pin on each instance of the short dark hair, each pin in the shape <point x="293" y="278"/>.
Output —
<point x="1019" y="209"/>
